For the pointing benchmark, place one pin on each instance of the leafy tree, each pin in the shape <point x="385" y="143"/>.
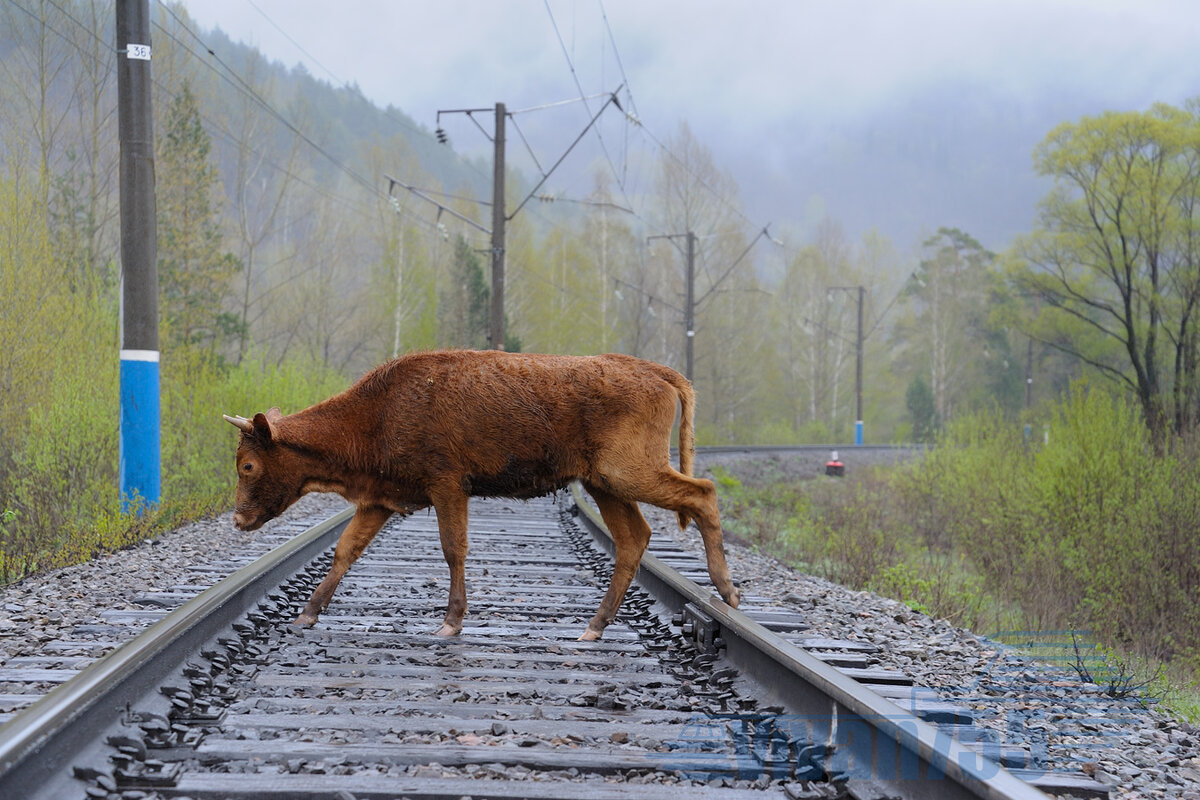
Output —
<point x="563" y="285"/>
<point x="194" y="271"/>
<point x="264" y="173"/>
<point x="947" y="334"/>
<point x="694" y="195"/>
<point x="1114" y="259"/>
<point x="921" y="410"/>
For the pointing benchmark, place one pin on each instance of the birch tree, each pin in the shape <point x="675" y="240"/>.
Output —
<point x="1114" y="259"/>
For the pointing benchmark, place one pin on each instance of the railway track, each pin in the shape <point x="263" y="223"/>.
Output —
<point x="684" y="697"/>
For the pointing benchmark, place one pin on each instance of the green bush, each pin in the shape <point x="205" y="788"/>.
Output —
<point x="1092" y="529"/>
<point x="60" y="494"/>
<point x="198" y="444"/>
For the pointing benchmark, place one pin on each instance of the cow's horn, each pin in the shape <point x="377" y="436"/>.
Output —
<point x="241" y="422"/>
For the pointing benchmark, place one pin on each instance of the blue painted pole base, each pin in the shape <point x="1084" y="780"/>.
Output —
<point x="140" y="448"/>
<point x="858" y="430"/>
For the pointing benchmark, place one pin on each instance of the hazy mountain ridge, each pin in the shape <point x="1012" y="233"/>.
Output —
<point x="956" y="154"/>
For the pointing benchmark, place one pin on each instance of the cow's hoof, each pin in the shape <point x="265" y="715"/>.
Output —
<point x="734" y="598"/>
<point x="305" y="621"/>
<point x="591" y="635"/>
<point x="447" y="630"/>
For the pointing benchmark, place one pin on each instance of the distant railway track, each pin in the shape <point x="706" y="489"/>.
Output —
<point x="760" y="449"/>
<point x="684" y="696"/>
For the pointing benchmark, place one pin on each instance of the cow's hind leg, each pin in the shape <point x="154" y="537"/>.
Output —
<point x="451" y="508"/>
<point x="630" y="534"/>
<point x="697" y="499"/>
<point x="358" y="534"/>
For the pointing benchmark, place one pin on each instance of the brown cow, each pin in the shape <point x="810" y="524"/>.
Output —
<point x="437" y="428"/>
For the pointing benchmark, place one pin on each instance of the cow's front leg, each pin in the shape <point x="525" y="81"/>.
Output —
<point x="358" y="534"/>
<point x="451" y="508"/>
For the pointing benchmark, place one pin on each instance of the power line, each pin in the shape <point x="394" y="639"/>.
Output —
<point x="393" y="182"/>
<point x="557" y="103"/>
<point x="253" y="94"/>
<point x="243" y="87"/>
<point x="591" y="124"/>
<point x="617" y="54"/>
<point x="583" y="97"/>
<point x="634" y="119"/>
<point x="164" y="88"/>
<point x="387" y="111"/>
<point x="238" y="86"/>
<point x="296" y="44"/>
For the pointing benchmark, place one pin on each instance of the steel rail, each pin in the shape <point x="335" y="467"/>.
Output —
<point x="63" y="726"/>
<point x="899" y="752"/>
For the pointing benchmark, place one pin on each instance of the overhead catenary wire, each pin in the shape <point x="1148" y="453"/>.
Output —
<point x="619" y="175"/>
<point x="635" y="121"/>
<point x="557" y="103"/>
<point x="253" y="94"/>
<point x="161" y="86"/>
<point x="393" y="182"/>
<point x="238" y="85"/>
<point x="591" y="124"/>
<point x="227" y="74"/>
<point x="632" y="115"/>
<point x="295" y="44"/>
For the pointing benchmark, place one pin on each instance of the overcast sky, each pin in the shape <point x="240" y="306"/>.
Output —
<point x="752" y="78"/>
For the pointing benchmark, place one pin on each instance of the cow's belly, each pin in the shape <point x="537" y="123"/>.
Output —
<point x="520" y="478"/>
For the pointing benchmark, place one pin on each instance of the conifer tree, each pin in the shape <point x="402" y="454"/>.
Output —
<point x="194" y="271"/>
<point x="464" y="311"/>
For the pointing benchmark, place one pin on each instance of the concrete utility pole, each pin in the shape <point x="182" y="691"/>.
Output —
<point x="858" y="420"/>
<point x="689" y="306"/>
<point x="498" y="221"/>
<point x="499" y="216"/>
<point x="858" y="366"/>
<point x="140" y="438"/>
<point x="690" y="316"/>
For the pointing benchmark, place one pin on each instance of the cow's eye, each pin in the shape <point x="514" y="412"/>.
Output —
<point x="247" y="467"/>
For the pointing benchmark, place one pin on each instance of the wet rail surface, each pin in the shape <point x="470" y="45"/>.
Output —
<point x="369" y="704"/>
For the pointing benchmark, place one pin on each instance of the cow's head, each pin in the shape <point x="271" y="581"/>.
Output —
<point x="268" y="481"/>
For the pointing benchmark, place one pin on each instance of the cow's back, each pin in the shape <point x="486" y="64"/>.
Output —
<point x="515" y="424"/>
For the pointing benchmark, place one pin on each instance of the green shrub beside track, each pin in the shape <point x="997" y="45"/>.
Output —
<point x="1091" y="530"/>
<point x="58" y="491"/>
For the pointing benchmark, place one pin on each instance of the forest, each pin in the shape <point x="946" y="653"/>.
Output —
<point x="290" y="261"/>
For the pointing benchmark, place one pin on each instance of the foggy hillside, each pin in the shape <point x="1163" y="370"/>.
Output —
<point x="957" y="155"/>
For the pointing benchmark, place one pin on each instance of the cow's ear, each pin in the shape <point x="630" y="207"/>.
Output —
<point x="274" y="414"/>
<point x="262" y="428"/>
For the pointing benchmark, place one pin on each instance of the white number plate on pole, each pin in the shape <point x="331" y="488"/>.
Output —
<point x="139" y="51"/>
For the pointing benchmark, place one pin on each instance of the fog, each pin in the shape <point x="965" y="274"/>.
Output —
<point x="898" y="116"/>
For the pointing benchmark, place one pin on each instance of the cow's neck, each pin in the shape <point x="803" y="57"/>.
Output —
<point x="331" y="442"/>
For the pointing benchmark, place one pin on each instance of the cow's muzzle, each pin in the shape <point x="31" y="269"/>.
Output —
<point x="244" y="522"/>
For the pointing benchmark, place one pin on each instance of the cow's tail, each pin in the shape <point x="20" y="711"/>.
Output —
<point x="687" y="432"/>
